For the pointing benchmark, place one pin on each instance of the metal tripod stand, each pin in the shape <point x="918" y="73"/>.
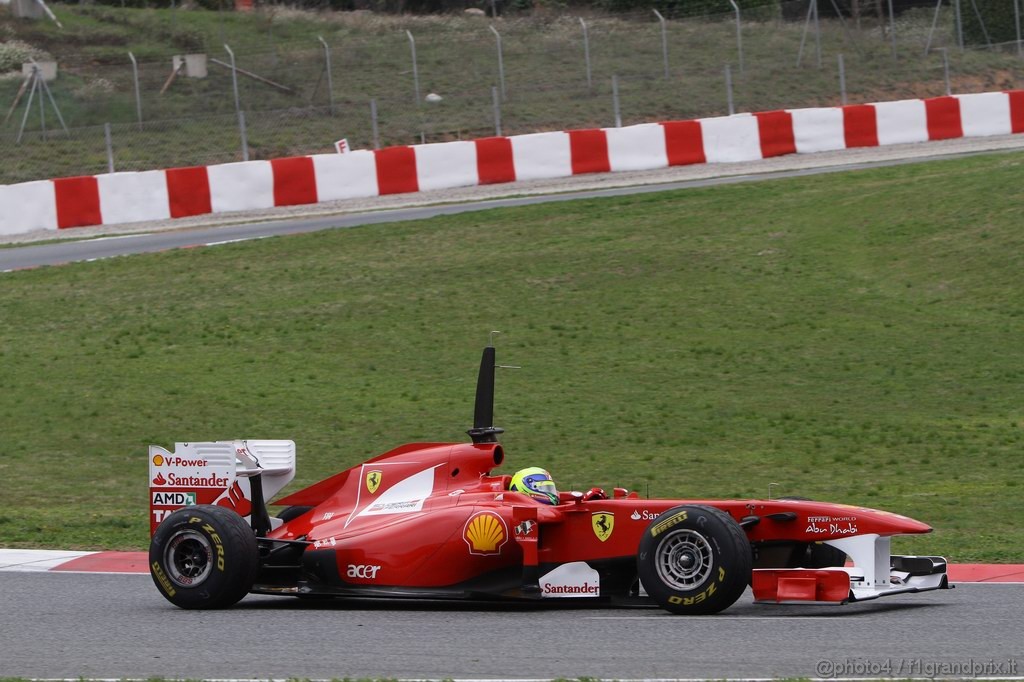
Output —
<point x="35" y="82"/>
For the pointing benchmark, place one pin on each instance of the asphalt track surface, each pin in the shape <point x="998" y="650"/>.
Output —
<point x="66" y="625"/>
<point x="69" y="251"/>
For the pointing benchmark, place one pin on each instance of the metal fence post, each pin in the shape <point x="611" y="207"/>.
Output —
<point x="138" y="95"/>
<point x="245" y="137"/>
<point x="945" y="69"/>
<point x="110" y="147"/>
<point x="234" y="79"/>
<point x="728" y="88"/>
<point x="220" y="19"/>
<point x="812" y="14"/>
<point x="664" y="41"/>
<point x="739" y="33"/>
<point x="842" y="80"/>
<point x="497" y="110"/>
<point x="615" y="102"/>
<point x="501" y="63"/>
<point x="931" y="31"/>
<point x="803" y="36"/>
<point x="959" y="25"/>
<point x="586" y="53"/>
<point x="373" y="123"/>
<point x="817" y="33"/>
<point x="415" y="67"/>
<point x="892" y="29"/>
<point x="1016" y="22"/>
<point x="330" y="81"/>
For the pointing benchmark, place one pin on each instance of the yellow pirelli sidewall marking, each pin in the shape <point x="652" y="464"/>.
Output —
<point x="662" y="526"/>
<point x="220" y="546"/>
<point x="161" y="578"/>
<point x="690" y="601"/>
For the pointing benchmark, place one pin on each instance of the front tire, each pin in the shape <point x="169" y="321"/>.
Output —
<point x="694" y="560"/>
<point x="203" y="557"/>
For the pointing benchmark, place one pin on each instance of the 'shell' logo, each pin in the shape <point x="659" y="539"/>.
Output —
<point x="485" y="533"/>
<point x="235" y="500"/>
<point x="373" y="479"/>
<point x="603" y="524"/>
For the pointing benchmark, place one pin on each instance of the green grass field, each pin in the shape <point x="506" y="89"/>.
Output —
<point x="852" y="337"/>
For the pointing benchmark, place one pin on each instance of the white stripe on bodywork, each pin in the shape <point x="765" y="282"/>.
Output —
<point x="405" y="497"/>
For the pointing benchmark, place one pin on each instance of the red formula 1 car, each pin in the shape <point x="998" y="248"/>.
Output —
<point x="432" y="520"/>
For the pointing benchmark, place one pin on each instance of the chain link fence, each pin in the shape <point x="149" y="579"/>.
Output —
<point x="380" y="81"/>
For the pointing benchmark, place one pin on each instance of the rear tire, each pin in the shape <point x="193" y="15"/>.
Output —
<point x="694" y="560"/>
<point x="203" y="557"/>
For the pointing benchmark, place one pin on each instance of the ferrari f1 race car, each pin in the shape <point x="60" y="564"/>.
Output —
<point x="433" y="521"/>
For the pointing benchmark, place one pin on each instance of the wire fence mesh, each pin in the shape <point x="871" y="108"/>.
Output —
<point x="557" y="73"/>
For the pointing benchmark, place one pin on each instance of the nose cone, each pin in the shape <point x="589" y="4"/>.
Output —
<point x="850" y="519"/>
<point x="888" y="523"/>
<point x="898" y="523"/>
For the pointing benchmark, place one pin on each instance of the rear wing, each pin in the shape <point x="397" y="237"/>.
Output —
<point x="224" y="473"/>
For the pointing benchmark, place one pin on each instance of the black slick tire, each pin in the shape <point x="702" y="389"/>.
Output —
<point x="694" y="560"/>
<point x="203" y="557"/>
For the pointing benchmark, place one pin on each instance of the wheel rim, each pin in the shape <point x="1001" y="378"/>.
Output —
<point x="683" y="560"/>
<point x="189" y="558"/>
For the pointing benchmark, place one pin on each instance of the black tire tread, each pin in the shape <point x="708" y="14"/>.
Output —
<point x="735" y="549"/>
<point x="241" y="558"/>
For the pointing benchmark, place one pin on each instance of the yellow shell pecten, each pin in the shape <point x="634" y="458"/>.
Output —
<point x="485" y="533"/>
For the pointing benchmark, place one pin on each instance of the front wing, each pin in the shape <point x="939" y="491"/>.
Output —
<point x="874" y="573"/>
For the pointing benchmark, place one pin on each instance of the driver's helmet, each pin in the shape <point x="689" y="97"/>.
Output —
<point x="536" y="483"/>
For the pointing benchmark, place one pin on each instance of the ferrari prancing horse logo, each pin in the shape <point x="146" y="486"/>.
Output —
<point x="373" y="480"/>
<point x="604" y="524"/>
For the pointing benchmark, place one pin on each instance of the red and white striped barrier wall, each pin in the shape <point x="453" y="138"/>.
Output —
<point x="181" y="192"/>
